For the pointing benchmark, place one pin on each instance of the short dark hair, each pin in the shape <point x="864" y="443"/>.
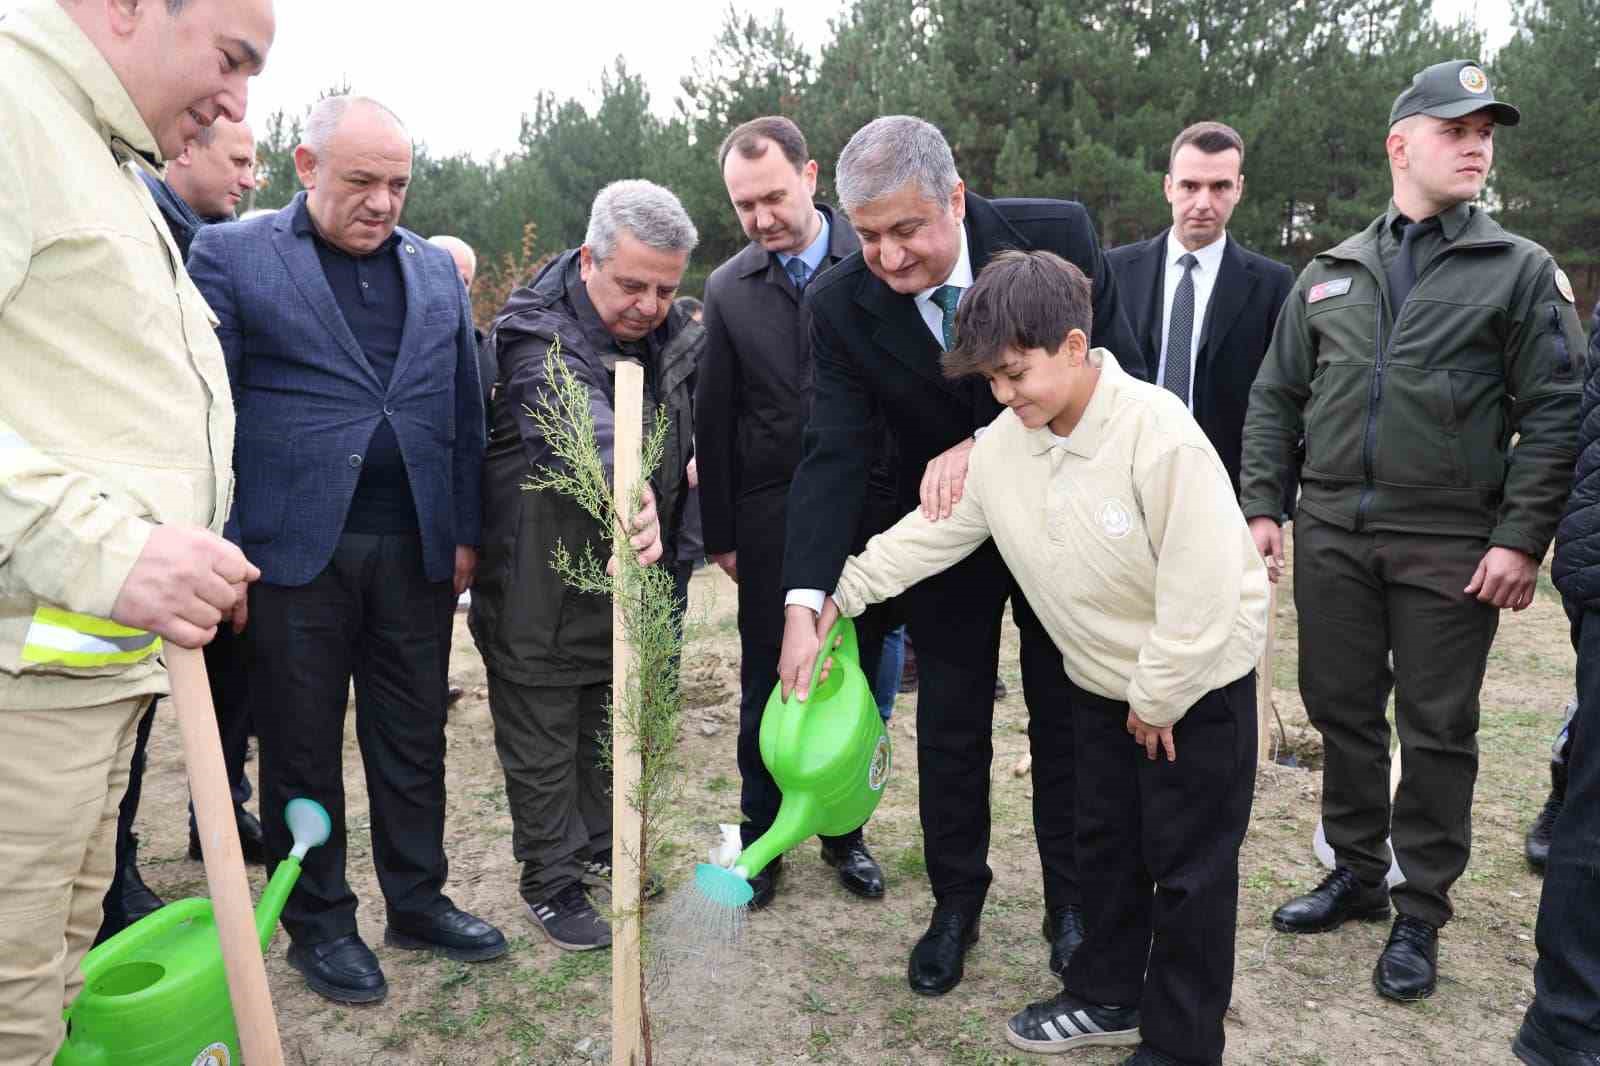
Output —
<point x="1021" y="300"/>
<point x="750" y="139"/>
<point x="1210" y="138"/>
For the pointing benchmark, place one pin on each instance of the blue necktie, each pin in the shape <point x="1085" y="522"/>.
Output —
<point x="799" y="273"/>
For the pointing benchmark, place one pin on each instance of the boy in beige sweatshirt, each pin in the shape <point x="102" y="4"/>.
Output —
<point x="1118" y="520"/>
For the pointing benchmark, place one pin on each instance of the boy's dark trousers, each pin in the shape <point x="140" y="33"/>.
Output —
<point x="1158" y="860"/>
<point x="1566" y="979"/>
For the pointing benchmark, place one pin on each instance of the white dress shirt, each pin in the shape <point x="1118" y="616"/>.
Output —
<point x="933" y="316"/>
<point x="1209" y="263"/>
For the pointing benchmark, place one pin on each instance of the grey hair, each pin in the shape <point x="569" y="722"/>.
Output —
<point x="650" y="212"/>
<point x="887" y="153"/>
<point x="328" y="112"/>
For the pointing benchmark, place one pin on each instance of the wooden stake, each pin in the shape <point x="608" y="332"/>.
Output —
<point x="627" y="997"/>
<point x="1264" y="712"/>
<point x="219" y="838"/>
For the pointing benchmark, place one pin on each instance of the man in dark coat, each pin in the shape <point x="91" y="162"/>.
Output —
<point x="753" y="401"/>
<point x="1559" y="1028"/>
<point x="881" y="320"/>
<point x="547" y="647"/>
<point x="1201" y="304"/>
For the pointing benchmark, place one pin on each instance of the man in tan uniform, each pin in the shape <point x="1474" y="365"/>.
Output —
<point x="116" y="442"/>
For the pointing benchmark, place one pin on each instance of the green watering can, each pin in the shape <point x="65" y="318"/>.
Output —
<point x="156" y="993"/>
<point x="829" y="755"/>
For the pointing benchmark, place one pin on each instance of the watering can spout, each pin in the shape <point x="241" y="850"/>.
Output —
<point x="310" y="825"/>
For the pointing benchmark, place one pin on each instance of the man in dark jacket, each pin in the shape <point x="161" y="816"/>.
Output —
<point x="204" y="184"/>
<point x="754" y="399"/>
<point x="359" y="455"/>
<point x="1409" y="357"/>
<point x="1201" y="304"/>
<point x="880" y="322"/>
<point x="547" y="647"/>
<point x="1559" y="1028"/>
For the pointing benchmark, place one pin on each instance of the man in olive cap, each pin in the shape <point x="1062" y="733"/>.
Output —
<point x="1410" y="357"/>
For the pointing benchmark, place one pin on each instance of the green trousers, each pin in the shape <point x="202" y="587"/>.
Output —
<point x="1361" y="597"/>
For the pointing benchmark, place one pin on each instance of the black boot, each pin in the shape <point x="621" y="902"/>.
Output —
<point x="1537" y="846"/>
<point x="129" y="898"/>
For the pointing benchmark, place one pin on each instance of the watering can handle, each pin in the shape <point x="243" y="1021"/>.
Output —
<point x="842" y="627"/>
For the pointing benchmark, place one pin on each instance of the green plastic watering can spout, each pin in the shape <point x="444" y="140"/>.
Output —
<point x="796" y="820"/>
<point x="311" y="826"/>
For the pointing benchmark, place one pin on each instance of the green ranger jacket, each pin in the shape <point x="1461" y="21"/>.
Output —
<point x="1409" y="417"/>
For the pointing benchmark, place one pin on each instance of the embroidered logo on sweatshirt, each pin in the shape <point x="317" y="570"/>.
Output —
<point x="1114" y="519"/>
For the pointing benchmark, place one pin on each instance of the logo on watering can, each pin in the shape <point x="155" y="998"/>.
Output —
<point x="878" y="772"/>
<point x="215" y="1055"/>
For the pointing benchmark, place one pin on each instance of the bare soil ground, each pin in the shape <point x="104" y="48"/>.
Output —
<point x="822" y="975"/>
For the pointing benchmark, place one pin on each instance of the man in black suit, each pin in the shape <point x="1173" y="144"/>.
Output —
<point x="752" y="401"/>
<point x="1203" y="305"/>
<point x="881" y="319"/>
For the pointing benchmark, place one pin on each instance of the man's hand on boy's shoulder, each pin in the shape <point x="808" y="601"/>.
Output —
<point x="1152" y="738"/>
<point x="944" y="480"/>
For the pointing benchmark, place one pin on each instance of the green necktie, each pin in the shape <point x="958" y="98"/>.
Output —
<point x="947" y="297"/>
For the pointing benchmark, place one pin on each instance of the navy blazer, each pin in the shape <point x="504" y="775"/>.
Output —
<point x="308" y="401"/>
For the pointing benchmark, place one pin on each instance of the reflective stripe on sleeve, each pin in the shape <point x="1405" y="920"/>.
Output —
<point x="79" y="640"/>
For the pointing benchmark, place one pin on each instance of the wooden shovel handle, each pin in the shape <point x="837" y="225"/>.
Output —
<point x="219" y="838"/>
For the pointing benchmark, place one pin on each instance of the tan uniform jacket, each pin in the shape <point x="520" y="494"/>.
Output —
<point x="114" y="409"/>
<point x="1125" y="537"/>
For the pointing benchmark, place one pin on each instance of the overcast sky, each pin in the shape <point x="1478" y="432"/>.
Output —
<point x="462" y="72"/>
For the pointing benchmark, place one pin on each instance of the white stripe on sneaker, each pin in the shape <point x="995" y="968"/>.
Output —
<point x="1051" y="1031"/>
<point x="1086" y="1022"/>
<point x="1064" y="1023"/>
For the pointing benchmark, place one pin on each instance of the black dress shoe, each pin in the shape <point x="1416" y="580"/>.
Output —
<point x="1536" y="1047"/>
<point x="1408" y="969"/>
<point x="128" y="898"/>
<point x="1063" y="930"/>
<point x="937" y="961"/>
<point x="858" y="870"/>
<point x="343" y="970"/>
<point x="1537" y="845"/>
<point x="1339" y="898"/>
<point x="252" y="842"/>
<point x="765" y="885"/>
<point x="453" y="933"/>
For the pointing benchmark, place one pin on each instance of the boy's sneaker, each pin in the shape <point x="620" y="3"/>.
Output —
<point x="1066" y="1022"/>
<point x="570" y="920"/>
<point x="597" y="874"/>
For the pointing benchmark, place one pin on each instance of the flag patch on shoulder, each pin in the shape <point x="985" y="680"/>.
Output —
<point x="1323" y="290"/>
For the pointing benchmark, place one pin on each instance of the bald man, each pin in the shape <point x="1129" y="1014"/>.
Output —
<point x="362" y="509"/>
<point x="466" y="261"/>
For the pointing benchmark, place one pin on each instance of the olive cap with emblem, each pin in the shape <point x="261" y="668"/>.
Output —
<point x="1449" y="90"/>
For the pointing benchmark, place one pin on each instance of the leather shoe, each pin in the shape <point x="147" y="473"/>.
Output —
<point x="252" y="841"/>
<point x="1339" y="898"/>
<point x="937" y="961"/>
<point x="1063" y="930"/>
<point x="858" y="870"/>
<point x="453" y="933"/>
<point x="343" y="970"/>
<point x="1408" y="969"/>
<point x="1534" y="1046"/>
<point x="764" y="885"/>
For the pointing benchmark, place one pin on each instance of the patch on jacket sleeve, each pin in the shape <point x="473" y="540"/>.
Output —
<point x="1323" y="290"/>
<point x="1564" y="286"/>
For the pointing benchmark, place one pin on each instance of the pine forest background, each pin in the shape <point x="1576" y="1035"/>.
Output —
<point x="1077" y="99"/>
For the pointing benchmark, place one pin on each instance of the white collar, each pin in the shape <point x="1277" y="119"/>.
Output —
<point x="960" y="274"/>
<point x="1209" y="257"/>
